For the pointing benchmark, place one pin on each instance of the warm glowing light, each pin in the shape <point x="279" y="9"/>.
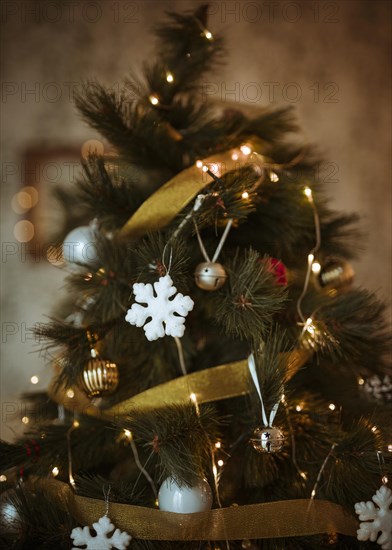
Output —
<point x="310" y="259"/>
<point x="390" y="448"/>
<point x="215" y="471"/>
<point x="205" y="168"/>
<point x="193" y="397"/>
<point x="218" y="444"/>
<point x="24" y="231"/>
<point x="313" y="493"/>
<point x="220" y="463"/>
<point x="92" y="147"/>
<point x="76" y="424"/>
<point x="169" y="77"/>
<point x="308" y="193"/>
<point x="25" y="420"/>
<point x="70" y="393"/>
<point x="128" y="434"/>
<point x="156" y="503"/>
<point x="245" y="195"/>
<point x="298" y="408"/>
<point x="332" y="406"/>
<point x="34" y="379"/>
<point x="309" y="326"/>
<point x="153" y="99"/>
<point x="384" y="479"/>
<point x="316" y="268"/>
<point x="199" y="164"/>
<point x="55" y="471"/>
<point x="274" y="177"/>
<point x="208" y="35"/>
<point x="246" y="150"/>
<point x="303" y="475"/>
<point x="234" y="156"/>
<point x="71" y="480"/>
<point x="3" y="478"/>
<point x="374" y="429"/>
<point x="361" y="381"/>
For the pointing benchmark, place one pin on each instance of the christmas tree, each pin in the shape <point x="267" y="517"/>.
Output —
<point x="219" y="381"/>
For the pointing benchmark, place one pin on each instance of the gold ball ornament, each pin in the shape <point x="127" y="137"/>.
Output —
<point x="100" y="377"/>
<point x="267" y="440"/>
<point x="210" y="276"/>
<point x="336" y="275"/>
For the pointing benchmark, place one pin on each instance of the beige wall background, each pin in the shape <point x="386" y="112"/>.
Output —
<point x="329" y="59"/>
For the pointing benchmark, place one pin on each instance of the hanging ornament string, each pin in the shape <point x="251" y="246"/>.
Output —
<point x="315" y="486"/>
<point x="308" y="193"/>
<point x="253" y="373"/>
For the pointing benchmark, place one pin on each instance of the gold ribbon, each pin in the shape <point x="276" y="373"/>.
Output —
<point x="214" y="384"/>
<point x="170" y="199"/>
<point x="288" y="518"/>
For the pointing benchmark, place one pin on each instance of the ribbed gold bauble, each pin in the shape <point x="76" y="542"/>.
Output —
<point x="100" y="377"/>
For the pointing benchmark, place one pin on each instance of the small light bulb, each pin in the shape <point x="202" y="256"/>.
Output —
<point x="316" y="268"/>
<point x="218" y="444"/>
<point x="55" y="471"/>
<point x="303" y="475"/>
<point x="308" y="192"/>
<point x="390" y="448"/>
<point x="128" y="433"/>
<point x="361" y="381"/>
<point x="374" y="429"/>
<point x="310" y="258"/>
<point x="208" y="35"/>
<point x="153" y="99"/>
<point x="70" y="393"/>
<point x="71" y="480"/>
<point x="3" y="478"/>
<point x="76" y="424"/>
<point x="234" y="156"/>
<point x="193" y="397"/>
<point x="25" y="420"/>
<point x="246" y="150"/>
<point x="34" y="379"/>
<point x="205" y="168"/>
<point x="214" y="470"/>
<point x="199" y="164"/>
<point x="332" y="406"/>
<point x="384" y="480"/>
<point x="220" y="463"/>
<point x="169" y="77"/>
<point x="313" y="493"/>
<point x="274" y="177"/>
<point x="245" y="195"/>
<point x="298" y="408"/>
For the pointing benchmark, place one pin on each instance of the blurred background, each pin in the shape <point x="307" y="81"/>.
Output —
<point x="328" y="59"/>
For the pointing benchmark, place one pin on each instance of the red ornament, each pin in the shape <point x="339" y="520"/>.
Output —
<point x="278" y="269"/>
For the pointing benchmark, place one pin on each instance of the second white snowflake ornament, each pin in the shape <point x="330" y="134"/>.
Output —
<point x="376" y="521"/>
<point x="102" y="540"/>
<point x="167" y="315"/>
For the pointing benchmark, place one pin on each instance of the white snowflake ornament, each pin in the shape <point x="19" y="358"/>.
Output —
<point x="167" y="316"/>
<point x="381" y="516"/>
<point x="102" y="540"/>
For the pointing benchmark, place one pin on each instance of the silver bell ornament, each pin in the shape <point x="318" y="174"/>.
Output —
<point x="79" y="246"/>
<point x="336" y="274"/>
<point x="183" y="499"/>
<point x="100" y="376"/>
<point x="210" y="276"/>
<point x="267" y="439"/>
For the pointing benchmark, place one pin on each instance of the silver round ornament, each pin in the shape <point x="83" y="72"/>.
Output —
<point x="184" y="499"/>
<point x="79" y="246"/>
<point x="336" y="274"/>
<point x="267" y="440"/>
<point x="100" y="377"/>
<point x="10" y="520"/>
<point x="210" y="276"/>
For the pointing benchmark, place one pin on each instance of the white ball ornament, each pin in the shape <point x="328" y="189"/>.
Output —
<point x="79" y="245"/>
<point x="184" y="499"/>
